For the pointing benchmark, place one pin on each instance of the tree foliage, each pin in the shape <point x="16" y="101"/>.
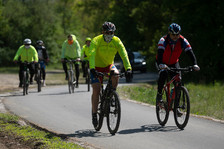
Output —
<point x="140" y="25"/>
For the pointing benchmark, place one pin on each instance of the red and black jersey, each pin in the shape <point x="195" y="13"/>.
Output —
<point x="171" y="50"/>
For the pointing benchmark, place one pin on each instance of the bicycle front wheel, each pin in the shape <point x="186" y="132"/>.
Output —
<point x="100" y="113"/>
<point x="70" y="82"/>
<point x="113" y="113"/>
<point x="38" y="81"/>
<point x="88" y="80"/>
<point x="181" y="107"/>
<point x="162" y="112"/>
<point x="24" y="83"/>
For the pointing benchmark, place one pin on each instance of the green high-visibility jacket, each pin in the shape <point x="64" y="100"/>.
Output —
<point x="28" y="55"/>
<point x="71" y="51"/>
<point x="85" y="52"/>
<point x="102" y="54"/>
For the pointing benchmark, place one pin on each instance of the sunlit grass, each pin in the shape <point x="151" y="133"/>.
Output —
<point x="207" y="100"/>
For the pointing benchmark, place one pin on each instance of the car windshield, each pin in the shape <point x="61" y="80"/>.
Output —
<point x="138" y="55"/>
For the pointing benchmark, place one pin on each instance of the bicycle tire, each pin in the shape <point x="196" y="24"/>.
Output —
<point x="100" y="113"/>
<point x="24" y="83"/>
<point x="181" y="107"/>
<point x="88" y="80"/>
<point x="27" y="82"/>
<point x="162" y="112"/>
<point x="113" y="113"/>
<point x="69" y="82"/>
<point x="38" y="81"/>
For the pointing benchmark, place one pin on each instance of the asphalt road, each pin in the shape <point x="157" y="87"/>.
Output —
<point x="70" y="114"/>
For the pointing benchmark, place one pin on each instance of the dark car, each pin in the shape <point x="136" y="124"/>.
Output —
<point x="138" y="63"/>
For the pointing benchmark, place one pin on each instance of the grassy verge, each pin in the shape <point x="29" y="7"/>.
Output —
<point x="29" y="136"/>
<point x="206" y="100"/>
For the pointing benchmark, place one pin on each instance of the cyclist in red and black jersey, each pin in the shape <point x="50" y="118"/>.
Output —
<point x="170" y="48"/>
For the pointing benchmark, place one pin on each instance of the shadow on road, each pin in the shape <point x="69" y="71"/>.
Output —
<point x="150" y="128"/>
<point x="88" y="133"/>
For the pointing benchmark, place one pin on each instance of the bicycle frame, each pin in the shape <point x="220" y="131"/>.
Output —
<point x="177" y="79"/>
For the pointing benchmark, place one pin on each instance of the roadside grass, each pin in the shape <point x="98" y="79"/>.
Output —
<point x="28" y="135"/>
<point x="206" y="100"/>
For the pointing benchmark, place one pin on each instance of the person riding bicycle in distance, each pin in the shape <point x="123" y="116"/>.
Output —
<point x="43" y="58"/>
<point x="71" y="50"/>
<point x="27" y="53"/>
<point x="103" y="49"/>
<point x="85" y="55"/>
<point x="170" y="48"/>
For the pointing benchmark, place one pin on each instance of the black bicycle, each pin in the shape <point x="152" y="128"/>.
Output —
<point x="38" y="77"/>
<point x="174" y="99"/>
<point x="26" y="77"/>
<point x="109" y="105"/>
<point x="71" y="78"/>
<point x="87" y="70"/>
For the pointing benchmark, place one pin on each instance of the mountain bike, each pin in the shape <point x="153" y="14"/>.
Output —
<point x="38" y="77"/>
<point x="87" y="70"/>
<point x="71" y="78"/>
<point x="26" y="77"/>
<point x="109" y="105"/>
<point x="174" y="99"/>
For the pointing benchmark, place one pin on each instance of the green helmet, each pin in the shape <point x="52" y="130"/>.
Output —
<point x="88" y="39"/>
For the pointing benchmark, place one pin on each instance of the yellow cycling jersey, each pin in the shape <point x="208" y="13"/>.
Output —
<point x="71" y="51"/>
<point x="102" y="54"/>
<point x="28" y="55"/>
<point x="85" y="52"/>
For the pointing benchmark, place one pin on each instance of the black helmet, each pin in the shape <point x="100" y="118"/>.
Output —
<point x="174" y="28"/>
<point x="108" y="27"/>
<point x="27" y="41"/>
<point x="40" y="42"/>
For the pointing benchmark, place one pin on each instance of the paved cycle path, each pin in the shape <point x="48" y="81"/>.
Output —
<point x="70" y="114"/>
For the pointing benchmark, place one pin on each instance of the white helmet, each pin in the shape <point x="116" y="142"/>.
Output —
<point x="27" y="41"/>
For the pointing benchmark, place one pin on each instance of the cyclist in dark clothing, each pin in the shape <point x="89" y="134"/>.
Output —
<point x="170" y="48"/>
<point x="43" y="59"/>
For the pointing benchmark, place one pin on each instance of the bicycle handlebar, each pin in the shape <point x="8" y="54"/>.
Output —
<point x="185" y="69"/>
<point x="110" y="74"/>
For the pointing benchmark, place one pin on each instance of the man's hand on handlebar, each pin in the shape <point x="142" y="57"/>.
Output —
<point x="196" y="68"/>
<point x="162" y="66"/>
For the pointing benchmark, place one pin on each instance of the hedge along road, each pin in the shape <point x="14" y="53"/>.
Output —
<point x="70" y="114"/>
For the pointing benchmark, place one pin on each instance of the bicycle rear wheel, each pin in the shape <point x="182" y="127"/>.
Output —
<point x="113" y="113"/>
<point x="100" y="113"/>
<point x="38" y="80"/>
<point x="181" y="107"/>
<point x="24" y="83"/>
<point x="162" y="112"/>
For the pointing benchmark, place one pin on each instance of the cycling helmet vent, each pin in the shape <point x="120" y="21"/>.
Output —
<point x="174" y="28"/>
<point x="109" y="27"/>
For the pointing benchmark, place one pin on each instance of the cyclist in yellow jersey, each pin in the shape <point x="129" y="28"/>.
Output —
<point x="85" y="55"/>
<point x="27" y="53"/>
<point x="71" y="50"/>
<point x="103" y="49"/>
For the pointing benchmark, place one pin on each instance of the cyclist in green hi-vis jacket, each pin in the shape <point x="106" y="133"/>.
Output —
<point x="28" y="53"/>
<point x="103" y="49"/>
<point x="71" y="50"/>
<point x="85" y="55"/>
